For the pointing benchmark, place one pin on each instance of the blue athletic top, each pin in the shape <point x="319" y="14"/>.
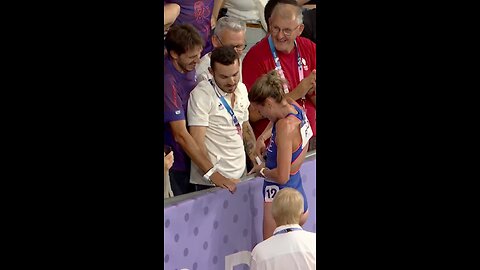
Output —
<point x="295" y="180"/>
<point x="271" y="161"/>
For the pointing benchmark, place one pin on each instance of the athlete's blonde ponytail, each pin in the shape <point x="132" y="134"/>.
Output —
<point x="268" y="85"/>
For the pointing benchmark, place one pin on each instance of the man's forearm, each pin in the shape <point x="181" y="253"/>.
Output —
<point x="313" y="99"/>
<point x="249" y="141"/>
<point x="298" y="92"/>
<point x="190" y="146"/>
<point x="198" y="135"/>
<point x="217" y="5"/>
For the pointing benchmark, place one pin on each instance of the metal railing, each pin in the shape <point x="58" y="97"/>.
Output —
<point x="169" y="201"/>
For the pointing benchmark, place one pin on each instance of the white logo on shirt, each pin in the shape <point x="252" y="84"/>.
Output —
<point x="305" y="66"/>
<point x="177" y="112"/>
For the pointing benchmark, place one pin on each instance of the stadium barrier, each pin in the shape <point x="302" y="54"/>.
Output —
<point x="216" y="230"/>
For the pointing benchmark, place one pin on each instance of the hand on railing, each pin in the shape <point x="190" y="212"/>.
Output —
<point x="227" y="183"/>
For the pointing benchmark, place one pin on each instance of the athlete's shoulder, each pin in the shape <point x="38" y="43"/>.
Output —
<point x="287" y="125"/>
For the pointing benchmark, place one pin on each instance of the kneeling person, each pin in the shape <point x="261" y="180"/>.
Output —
<point x="218" y="118"/>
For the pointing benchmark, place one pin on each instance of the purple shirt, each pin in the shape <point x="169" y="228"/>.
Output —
<point x="177" y="87"/>
<point x="198" y="13"/>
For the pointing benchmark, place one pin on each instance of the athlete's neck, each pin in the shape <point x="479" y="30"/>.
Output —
<point x="285" y="109"/>
<point x="288" y="109"/>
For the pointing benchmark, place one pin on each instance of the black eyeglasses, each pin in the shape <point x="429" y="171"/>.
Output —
<point x="236" y="47"/>
<point x="287" y="32"/>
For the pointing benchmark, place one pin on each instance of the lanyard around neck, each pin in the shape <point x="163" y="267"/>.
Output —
<point x="228" y="108"/>
<point x="278" y="66"/>
<point x="287" y="230"/>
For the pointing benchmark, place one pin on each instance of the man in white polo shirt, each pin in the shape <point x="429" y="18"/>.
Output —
<point x="290" y="247"/>
<point x="217" y="115"/>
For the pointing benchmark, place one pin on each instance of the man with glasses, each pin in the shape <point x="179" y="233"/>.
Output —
<point x="293" y="57"/>
<point x="228" y="31"/>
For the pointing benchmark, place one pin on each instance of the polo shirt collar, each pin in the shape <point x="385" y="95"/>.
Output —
<point x="288" y="226"/>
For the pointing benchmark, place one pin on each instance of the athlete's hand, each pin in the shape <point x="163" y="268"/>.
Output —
<point x="256" y="169"/>
<point x="260" y="147"/>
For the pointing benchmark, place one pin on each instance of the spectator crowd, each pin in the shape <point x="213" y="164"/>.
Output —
<point x="215" y="50"/>
<point x="239" y="98"/>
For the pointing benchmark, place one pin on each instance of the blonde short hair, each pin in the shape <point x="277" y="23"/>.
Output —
<point x="287" y="207"/>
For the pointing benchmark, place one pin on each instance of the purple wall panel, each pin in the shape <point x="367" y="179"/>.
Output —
<point x="200" y="232"/>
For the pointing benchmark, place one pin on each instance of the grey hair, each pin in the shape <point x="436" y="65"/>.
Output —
<point x="298" y="12"/>
<point x="229" y="23"/>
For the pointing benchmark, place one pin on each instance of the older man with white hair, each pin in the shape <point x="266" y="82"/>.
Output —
<point x="293" y="56"/>
<point x="228" y="32"/>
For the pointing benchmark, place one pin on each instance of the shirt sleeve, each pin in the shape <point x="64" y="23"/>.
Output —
<point x="173" y="110"/>
<point x="244" y="93"/>
<point x="199" y="105"/>
<point x="253" y="264"/>
<point x="202" y="69"/>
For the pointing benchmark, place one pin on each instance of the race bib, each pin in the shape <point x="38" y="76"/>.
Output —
<point x="270" y="192"/>
<point x="305" y="131"/>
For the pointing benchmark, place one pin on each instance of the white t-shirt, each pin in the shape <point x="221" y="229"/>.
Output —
<point x="245" y="10"/>
<point x="295" y="250"/>
<point x="221" y="138"/>
<point x="201" y="70"/>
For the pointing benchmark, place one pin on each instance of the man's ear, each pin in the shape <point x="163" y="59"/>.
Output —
<point x="174" y="55"/>
<point x="300" y="29"/>
<point x="215" y="41"/>
<point x="210" y="70"/>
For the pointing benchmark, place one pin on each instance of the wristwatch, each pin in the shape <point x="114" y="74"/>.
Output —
<point x="262" y="173"/>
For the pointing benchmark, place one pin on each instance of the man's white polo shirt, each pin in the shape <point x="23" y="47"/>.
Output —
<point x="221" y="138"/>
<point x="295" y="250"/>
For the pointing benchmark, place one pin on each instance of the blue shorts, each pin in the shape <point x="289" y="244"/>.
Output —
<point x="270" y="189"/>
